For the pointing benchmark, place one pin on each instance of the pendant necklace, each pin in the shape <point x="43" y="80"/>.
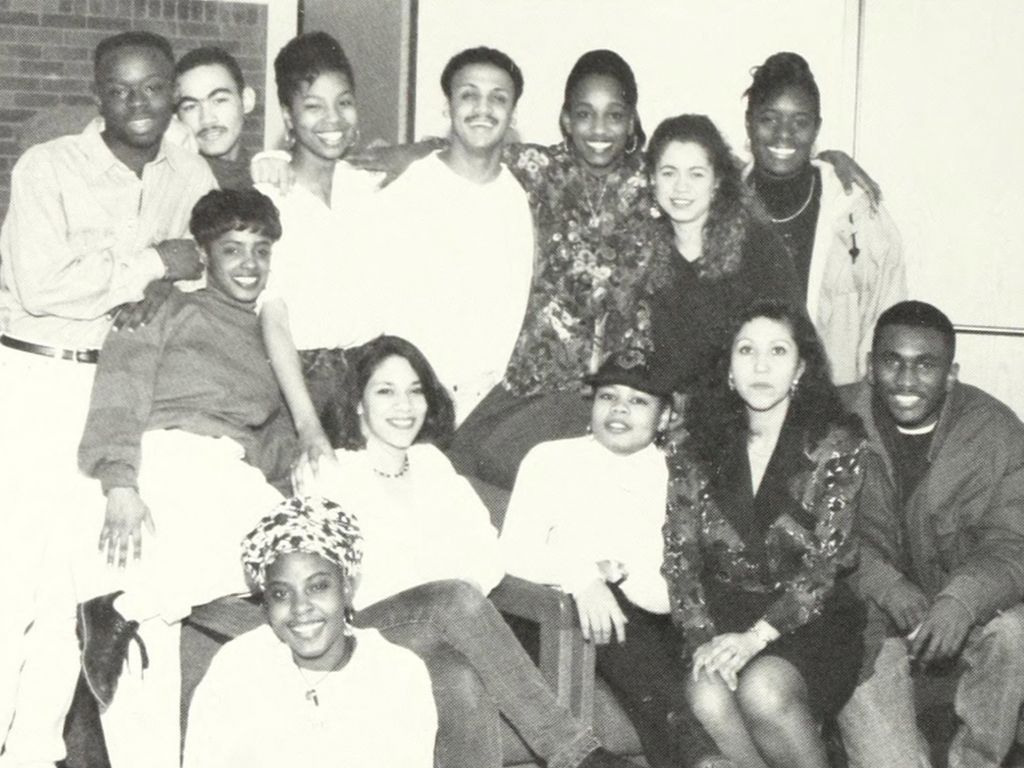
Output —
<point x="594" y="209"/>
<point x="311" y="687"/>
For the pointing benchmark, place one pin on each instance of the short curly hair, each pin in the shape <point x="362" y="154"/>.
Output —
<point x="482" y="55"/>
<point x="231" y="210"/>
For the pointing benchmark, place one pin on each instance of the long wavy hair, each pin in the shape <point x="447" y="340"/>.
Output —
<point x="731" y="210"/>
<point x="716" y="416"/>
<point x="440" y="421"/>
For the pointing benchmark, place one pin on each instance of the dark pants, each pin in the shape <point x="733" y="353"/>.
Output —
<point x="492" y="441"/>
<point x="648" y="677"/>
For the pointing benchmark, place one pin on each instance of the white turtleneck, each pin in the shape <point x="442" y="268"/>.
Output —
<point x="576" y="503"/>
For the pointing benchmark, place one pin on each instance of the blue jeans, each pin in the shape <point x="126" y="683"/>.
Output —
<point x="442" y="617"/>
<point x="878" y="723"/>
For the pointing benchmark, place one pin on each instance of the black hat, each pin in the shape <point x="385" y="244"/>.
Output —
<point x="634" y="368"/>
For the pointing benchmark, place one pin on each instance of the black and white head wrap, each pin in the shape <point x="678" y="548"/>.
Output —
<point x="312" y="525"/>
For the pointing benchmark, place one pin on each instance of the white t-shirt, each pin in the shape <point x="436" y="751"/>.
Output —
<point x="428" y="525"/>
<point x="456" y="261"/>
<point x="251" y="710"/>
<point x="317" y="267"/>
<point x="576" y="503"/>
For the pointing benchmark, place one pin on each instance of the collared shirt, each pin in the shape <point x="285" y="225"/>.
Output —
<point x="79" y="235"/>
<point x="453" y="272"/>
<point x="576" y="503"/>
<point x="319" y="262"/>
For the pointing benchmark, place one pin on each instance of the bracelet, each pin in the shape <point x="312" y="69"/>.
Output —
<point x="764" y="632"/>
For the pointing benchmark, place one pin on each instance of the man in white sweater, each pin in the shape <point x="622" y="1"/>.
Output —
<point x="456" y="245"/>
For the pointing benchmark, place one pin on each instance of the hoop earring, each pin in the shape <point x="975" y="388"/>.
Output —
<point x="636" y="145"/>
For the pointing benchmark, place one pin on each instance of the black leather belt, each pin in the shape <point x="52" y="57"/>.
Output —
<point x="78" y="355"/>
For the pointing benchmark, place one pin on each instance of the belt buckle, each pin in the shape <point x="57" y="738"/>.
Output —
<point x="83" y="356"/>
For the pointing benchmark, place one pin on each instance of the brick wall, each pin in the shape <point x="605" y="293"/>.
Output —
<point x="46" y="56"/>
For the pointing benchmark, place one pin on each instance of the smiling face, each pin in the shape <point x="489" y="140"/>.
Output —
<point x="238" y="264"/>
<point x="480" y="107"/>
<point x="912" y="369"/>
<point x="134" y="91"/>
<point x="765" y="363"/>
<point x="305" y="601"/>
<point x="625" y="420"/>
<point x="322" y="117"/>
<point x="684" y="182"/>
<point x="782" y="132"/>
<point x="210" y="104"/>
<point x="599" y="122"/>
<point x="393" y="407"/>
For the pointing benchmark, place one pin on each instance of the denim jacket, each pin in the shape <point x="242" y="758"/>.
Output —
<point x="965" y="519"/>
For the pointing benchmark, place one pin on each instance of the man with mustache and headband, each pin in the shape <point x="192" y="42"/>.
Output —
<point x="212" y="100"/>
<point x="96" y="232"/>
<point x="941" y="523"/>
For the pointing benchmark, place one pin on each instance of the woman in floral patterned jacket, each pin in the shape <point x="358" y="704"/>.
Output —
<point x="590" y="204"/>
<point x="761" y="498"/>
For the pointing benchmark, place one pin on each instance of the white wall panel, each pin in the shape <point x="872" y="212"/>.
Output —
<point x="939" y="122"/>
<point x="688" y="55"/>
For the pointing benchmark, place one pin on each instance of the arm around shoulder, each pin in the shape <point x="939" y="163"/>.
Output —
<point x="78" y="275"/>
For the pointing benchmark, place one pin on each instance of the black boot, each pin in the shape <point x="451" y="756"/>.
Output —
<point x="104" y="636"/>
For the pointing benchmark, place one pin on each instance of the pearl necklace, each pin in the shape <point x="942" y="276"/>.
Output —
<point x="810" y="196"/>
<point x="393" y="475"/>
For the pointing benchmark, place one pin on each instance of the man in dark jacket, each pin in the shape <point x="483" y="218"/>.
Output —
<point x="941" y="523"/>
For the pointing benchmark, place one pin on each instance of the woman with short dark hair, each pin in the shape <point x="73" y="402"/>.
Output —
<point x="845" y="248"/>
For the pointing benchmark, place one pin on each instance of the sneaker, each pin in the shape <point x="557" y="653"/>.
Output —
<point x="602" y="758"/>
<point x="104" y="636"/>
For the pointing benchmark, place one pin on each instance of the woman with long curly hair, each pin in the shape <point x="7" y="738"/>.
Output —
<point x="762" y="494"/>
<point x="714" y="256"/>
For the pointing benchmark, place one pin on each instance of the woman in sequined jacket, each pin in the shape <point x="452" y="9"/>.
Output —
<point x="761" y="498"/>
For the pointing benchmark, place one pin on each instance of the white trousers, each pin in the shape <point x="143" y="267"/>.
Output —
<point x="204" y="498"/>
<point x="43" y="404"/>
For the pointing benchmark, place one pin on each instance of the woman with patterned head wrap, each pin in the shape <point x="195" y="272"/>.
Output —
<point x="309" y="688"/>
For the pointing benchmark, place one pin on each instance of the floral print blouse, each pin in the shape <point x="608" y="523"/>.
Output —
<point x="590" y="234"/>
<point x="796" y="563"/>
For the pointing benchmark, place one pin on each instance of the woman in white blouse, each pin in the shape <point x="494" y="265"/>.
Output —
<point x="431" y="557"/>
